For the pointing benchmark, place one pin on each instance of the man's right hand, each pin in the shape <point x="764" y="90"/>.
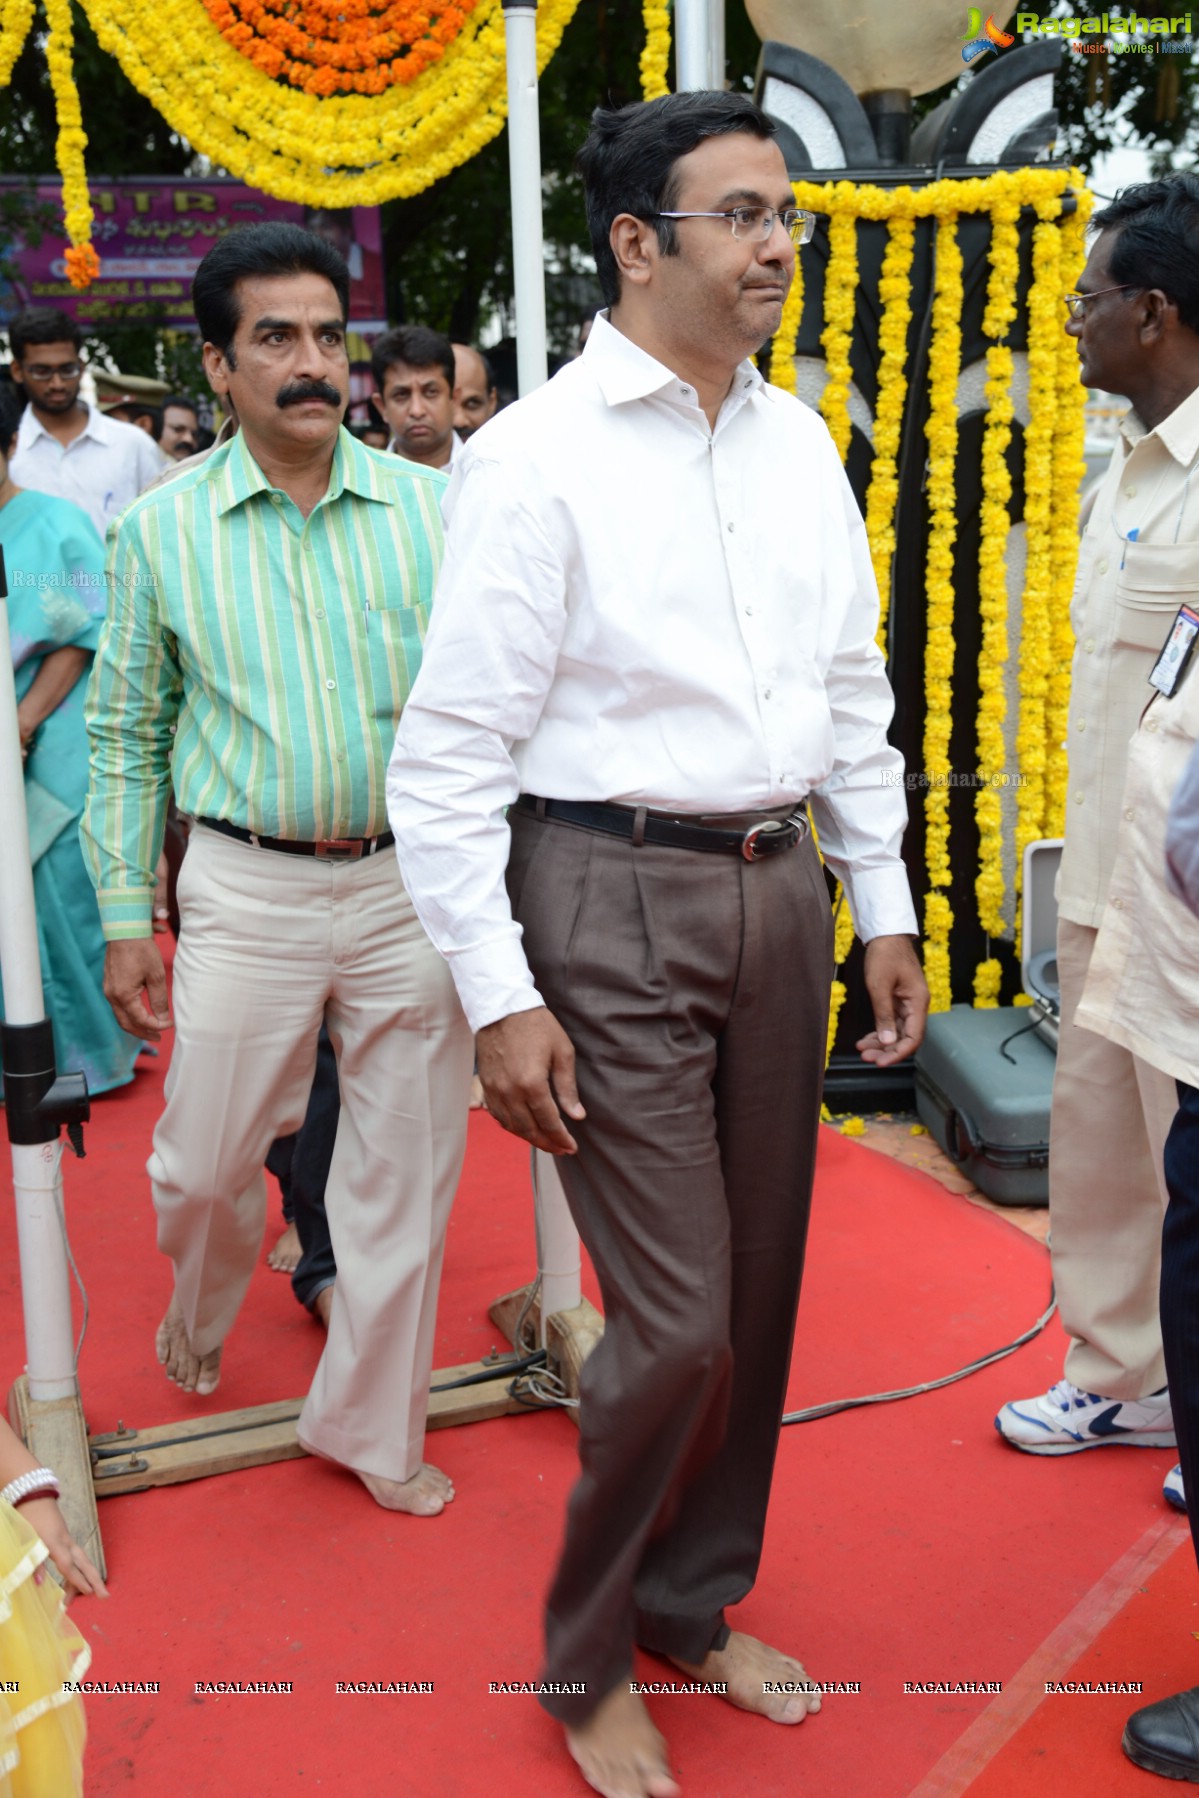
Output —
<point x="132" y="968"/>
<point x="527" y="1066"/>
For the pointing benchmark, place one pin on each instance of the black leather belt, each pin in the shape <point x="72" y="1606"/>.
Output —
<point x="745" y="834"/>
<point x="338" y="849"/>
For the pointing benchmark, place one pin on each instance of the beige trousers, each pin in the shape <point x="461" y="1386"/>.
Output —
<point x="1111" y="1113"/>
<point x="272" y="944"/>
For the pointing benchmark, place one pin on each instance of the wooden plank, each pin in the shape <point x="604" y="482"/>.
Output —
<point x="54" y="1432"/>
<point x="131" y="1460"/>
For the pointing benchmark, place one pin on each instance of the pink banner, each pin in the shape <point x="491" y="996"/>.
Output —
<point x="150" y="234"/>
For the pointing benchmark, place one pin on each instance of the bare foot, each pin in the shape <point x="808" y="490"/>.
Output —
<point x="285" y="1256"/>
<point x="195" y="1373"/>
<point x="322" y="1304"/>
<point x="619" y="1751"/>
<point x="477" y="1101"/>
<point x="749" y="1668"/>
<point x="424" y="1495"/>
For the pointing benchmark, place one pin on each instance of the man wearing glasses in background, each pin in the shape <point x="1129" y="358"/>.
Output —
<point x="1139" y="561"/>
<point x="653" y="640"/>
<point x="64" y="446"/>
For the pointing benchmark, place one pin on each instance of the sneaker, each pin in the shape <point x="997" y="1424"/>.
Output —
<point x="1172" y="1489"/>
<point x="1065" y="1419"/>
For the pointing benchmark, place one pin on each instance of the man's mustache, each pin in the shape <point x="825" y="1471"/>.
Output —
<point x="299" y="391"/>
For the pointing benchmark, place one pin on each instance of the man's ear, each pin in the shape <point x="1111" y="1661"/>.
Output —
<point x="635" y="246"/>
<point x="1160" y="314"/>
<point x="216" y="367"/>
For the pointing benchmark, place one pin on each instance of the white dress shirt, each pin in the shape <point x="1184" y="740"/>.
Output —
<point x="637" y="608"/>
<point x="103" y="469"/>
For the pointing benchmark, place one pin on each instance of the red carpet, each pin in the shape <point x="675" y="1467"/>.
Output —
<point x="906" y="1543"/>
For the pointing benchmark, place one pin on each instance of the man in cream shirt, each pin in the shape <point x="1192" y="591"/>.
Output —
<point x="1112" y="1103"/>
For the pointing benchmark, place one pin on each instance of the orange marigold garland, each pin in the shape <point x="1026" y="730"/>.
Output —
<point x="327" y="47"/>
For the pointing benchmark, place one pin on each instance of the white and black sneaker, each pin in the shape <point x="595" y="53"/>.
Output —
<point x="1173" y="1490"/>
<point x="1065" y="1419"/>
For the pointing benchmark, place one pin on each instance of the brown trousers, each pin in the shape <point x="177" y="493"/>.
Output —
<point x="695" y="989"/>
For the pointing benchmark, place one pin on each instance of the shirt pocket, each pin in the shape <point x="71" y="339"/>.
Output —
<point x="1155" y="579"/>
<point x="394" y="639"/>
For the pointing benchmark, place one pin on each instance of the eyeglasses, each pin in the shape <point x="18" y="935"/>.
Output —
<point x="40" y="371"/>
<point x="754" y="224"/>
<point x="1077" y="303"/>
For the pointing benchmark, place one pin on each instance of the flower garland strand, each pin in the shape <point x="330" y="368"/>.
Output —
<point x="1068" y="470"/>
<point x="16" y="16"/>
<point x="882" y="495"/>
<point x="941" y="430"/>
<point x="349" y="149"/>
<point x="782" y="347"/>
<point x="82" y="263"/>
<point x="994" y="527"/>
<point x="840" y="295"/>
<point x="1036" y="631"/>
<point x="655" y="58"/>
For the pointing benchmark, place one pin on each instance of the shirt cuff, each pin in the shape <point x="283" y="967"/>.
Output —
<point x="126" y="912"/>
<point x="493" y="980"/>
<point x="881" y="902"/>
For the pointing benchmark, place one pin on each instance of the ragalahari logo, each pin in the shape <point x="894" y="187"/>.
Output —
<point x="983" y="37"/>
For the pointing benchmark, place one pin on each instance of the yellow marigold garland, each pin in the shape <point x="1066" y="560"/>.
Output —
<point x="16" y="16"/>
<point x="882" y="496"/>
<point x="782" y="349"/>
<point x="346" y="150"/>
<point x="941" y="431"/>
<point x="83" y="265"/>
<point x="995" y="524"/>
<point x="655" y="58"/>
<point x="1036" y="625"/>
<point x="1068" y="470"/>
<point x="840" y="294"/>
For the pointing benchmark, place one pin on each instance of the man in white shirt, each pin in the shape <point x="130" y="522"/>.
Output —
<point x="655" y="624"/>
<point x="414" y="376"/>
<point x="64" y="446"/>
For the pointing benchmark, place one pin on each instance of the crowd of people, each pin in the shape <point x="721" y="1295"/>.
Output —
<point x="474" y="772"/>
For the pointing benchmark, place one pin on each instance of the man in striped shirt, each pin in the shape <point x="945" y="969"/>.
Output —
<point x="267" y="613"/>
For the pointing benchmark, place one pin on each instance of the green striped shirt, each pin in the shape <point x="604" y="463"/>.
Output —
<point x="258" y="658"/>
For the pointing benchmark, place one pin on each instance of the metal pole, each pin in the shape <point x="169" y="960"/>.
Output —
<point x="716" y="55"/>
<point x="524" y="168"/>
<point x="693" y="42"/>
<point x="37" y="1179"/>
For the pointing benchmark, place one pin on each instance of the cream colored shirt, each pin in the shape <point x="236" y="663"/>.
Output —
<point x="1143" y="985"/>
<point x="1139" y="561"/>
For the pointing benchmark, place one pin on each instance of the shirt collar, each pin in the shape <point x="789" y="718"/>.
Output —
<point x="239" y="477"/>
<point x="31" y="428"/>
<point x="1178" y="431"/>
<point x="624" y="371"/>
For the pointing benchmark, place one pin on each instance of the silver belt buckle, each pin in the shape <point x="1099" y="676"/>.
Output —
<point x="339" y="849"/>
<point x="770" y="828"/>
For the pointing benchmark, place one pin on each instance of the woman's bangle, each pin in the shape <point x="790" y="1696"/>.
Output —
<point x="42" y="1482"/>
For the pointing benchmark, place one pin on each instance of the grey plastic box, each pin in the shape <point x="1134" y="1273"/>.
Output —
<point x="989" y="1114"/>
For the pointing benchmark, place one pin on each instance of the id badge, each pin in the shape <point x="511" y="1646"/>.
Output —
<point x="1171" y="664"/>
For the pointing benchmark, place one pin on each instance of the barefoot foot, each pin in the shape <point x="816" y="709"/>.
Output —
<point x="619" y="1752"/>
<point x="749" y="1669"/>
<point x="424" y="1495"/>
<point x="322" y="1305"/>
<point x="285" y="1256"/>
<point x="195" y="1373"/>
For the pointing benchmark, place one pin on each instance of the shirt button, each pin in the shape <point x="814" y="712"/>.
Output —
<point x="1102" y="565"/>
<point x="341" y="755"/>
<point x="1078" y="798"/>
<point x="1130" y="492"/>
<point x="1082" y="724"/>
<point x="1089" y="646"/>
<point x="330" y="684"/>
<point x="319" y="613"/>
<point x="732" y="527"/>
<point x="276" y="499"/>
<point x="766" y="694"/>
<point x="1118" y="904"/>
<point x="1129" y="813"/>
<point x="749" y="611"/>
<point x="1151" y="724"/>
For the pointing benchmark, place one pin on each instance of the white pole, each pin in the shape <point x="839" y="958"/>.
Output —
<point x="693" y="42"/>
<point x="524" y="168"/>
<point x="716" y="44"/>
<point x="37" y="1180"/>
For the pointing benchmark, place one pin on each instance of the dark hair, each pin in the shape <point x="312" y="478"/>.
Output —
<point x="43" y="326"/>
<point x="11" y="409"/>
<point x="1157" y="239"/>
<point x="181" y="399"/>
<point x="628" y="163"/>
<point x="417" y="347"/>
<point x="251" y="250"/>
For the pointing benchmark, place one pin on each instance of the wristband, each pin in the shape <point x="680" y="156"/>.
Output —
<point x="42" y="1482"/>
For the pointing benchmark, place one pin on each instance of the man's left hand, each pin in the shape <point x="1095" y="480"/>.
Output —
<point x="899" y="994"/>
